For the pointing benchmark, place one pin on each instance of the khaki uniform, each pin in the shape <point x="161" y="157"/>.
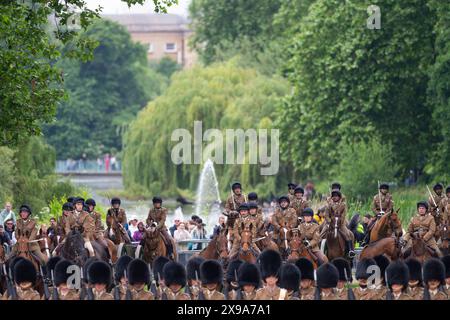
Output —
<point x="446" y="213"/>
<point x="194" y="292"/>
<point x="284" y="218"/>
<point x="81" y="221"/>
<point x="213" y="295"/>
<point x="447" y="290"/>
<point x="248" y="296"/>
<point x="331" y="296"/>
<point x="61" y="227"/>
<point x="267" y="293"/>
<point x="299" y="205"/>
<point x="122" y="291"/>
<point x="24" y="294"/>
<point x="381" y="292"/>
<point x="26" y="229"/>
<point x="438" y="295"/>
<point x="141" y="294"/>
<point x="98" y="226"/>
<point x="337" y="209"/>
<point x="307" y="294"/>
<point x="386" y="203"/>
<point x="159" y="216"/>
<point x="115" y="221"/>
<point x="239" y="225"/>
<point x="365" y="294"/>
<point x="432" y="208"/>
<point x="102" y="295"/>
<point x="72" y="294"/>
<point x="310" y="232"/>
<point x="180" y="295"/>
<point x="426" y="226"/>
<point x="402" y="296"/>
<point x="415" y="293"/>
<point x="342" y="294"/>
<point x="231" y="206"/>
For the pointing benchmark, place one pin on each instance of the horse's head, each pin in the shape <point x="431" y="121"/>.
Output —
<point x="246" y="237"/>
<point x="395" y="223"/>
<point x="43" y="230"/>
<point x="222" y="245"/>
<point x="152" y="231"/>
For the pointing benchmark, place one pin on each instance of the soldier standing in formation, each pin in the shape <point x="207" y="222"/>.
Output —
<point x="363" y="272"/>
<point x="269" y="263"/>
<point x="397" y="275"/>
<point x="99" y="277"/>
<point x="61" y="276"/>
<point x="249" y="279"/>
<point x="284" y="219"/>
<point x="193" y="276"/>
<point x="120" y="290"/>
<point x="307" y="282"/>
<point x="434" y="279"/>
<point x="211" y="276"/>
<point x="327" y="279"/>
<point x="138" y="277"/>
<point x="415" y="283"/>
<point x="446" y="262"/>
<point x="231" y="280"/>
<point x="345" y="276"/>
<point x="175" y="280"/>
<point x="289" y="282"/>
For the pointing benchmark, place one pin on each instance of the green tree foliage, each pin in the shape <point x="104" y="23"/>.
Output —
<point x="439" y="93"/>
<point x="166" y="66"/>
<point x="352" y="83"/>
<point x="222" y="96"/>
<point x="30" y="82"/>
<point x="105" y="93"/>
<point x="7" y="174"/>
<point x="362" y="165"/>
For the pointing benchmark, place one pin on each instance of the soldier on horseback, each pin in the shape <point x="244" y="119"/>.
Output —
<point x="335" y="186"/>
<point x="245" y="221"/>
<point x="291" y="191"/>
<point x="158" y="215"/>
<point x="309" y="231"/>
<point x="337" y="209"/>
<point x="422" y="226"/>
<point x="253" y="203"/>
<point x="81" y="221"/>
<point x="284" y="219"/>
<point x="97" y="217"/>
<point x="116" y="219"/>
<point x="67" y="208"/>
<point x="232" y="204"/>
<point x="383" y="199"/>
<point x="26" y="232"/>
<point x="298" y="202"/>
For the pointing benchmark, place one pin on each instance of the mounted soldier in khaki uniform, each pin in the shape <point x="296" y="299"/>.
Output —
<point x="97" y="217"/>
<point x="81" y="221"/>
<point x="309" y="231"/>
<point x="298" y="202"/>
<point x="387" y="204"/>
<point x="258" y="214"/>
<point x="158" y="214"/>
<point x="283" y="220"/>
<point x="26" y="234"/>
<point x="232" y="204"/>
<point x="435" y="201"/>
<point x="291" y="189"/>
<point x="337" y="208"/>
<point x="336" y="186"/>
<point x="67" y="209"/>
<point x="422" y="225"/>
<point x="245" y="221"/>
<point x="116" y="219"/>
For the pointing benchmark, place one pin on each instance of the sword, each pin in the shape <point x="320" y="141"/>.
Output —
<point x="46" y="291"/>
<point x="379" y="197"/>
<point x="55" y="289"/>
<point x="434" y="201"/>
<point x="350" y="294"/>
<point x="152" y="282"/>
<point x="128" y="295"/>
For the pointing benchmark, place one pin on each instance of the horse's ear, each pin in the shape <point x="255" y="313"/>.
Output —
<point x="251" y="226"/>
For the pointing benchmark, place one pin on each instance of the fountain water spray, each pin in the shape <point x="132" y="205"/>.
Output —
<point x="207" y="199"/>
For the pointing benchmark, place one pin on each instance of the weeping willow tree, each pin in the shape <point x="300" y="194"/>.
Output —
<point x="222" y="96"/>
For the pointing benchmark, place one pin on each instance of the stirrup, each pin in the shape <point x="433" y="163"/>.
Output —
<point x="351" y="254"/>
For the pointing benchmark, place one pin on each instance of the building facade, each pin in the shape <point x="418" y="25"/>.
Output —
<point x="164" y="35"/>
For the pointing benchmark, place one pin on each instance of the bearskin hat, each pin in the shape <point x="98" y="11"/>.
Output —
<point x="344" y="269"/>
<point x="232" y="269"/>
<point x="211" y="272"/>
<point x="327" y="276"/>
<point x="446" y="261"/>
<point x="248" y="274"/>
<point x="415" y="269"/>
<point x="24" y="271"/>
<point x="60" y="273"/>
<point x="308" y="212"/>
<point x="362" y="271"/>
<point x="121" y="266"/>
<point x="174" y="273"/>
<point x="138" y="272"/>
<point x="252" y="196"/>
<point x="269" y="263"/>
<point x="193" y="268"/>
<point x="51" y="264"/>
<point x="70" y="199"/>
<point x="434" y="269"/>
<point x="86" y="266"/>
<point x="306" y="268"/>
<point x="397" y="273"/>
<point x="382" y="263"/>
<point x="289" y="277"/>
<point x="422" y="204"/>
<point x="447" y="190"/>
<point x="284" y="198"/>
<point x="115" y="200"/>
<point x="299" y="190"/>
<point x="158" y="266"/>
<point x="99" y="272"/>
<point x="90" y="202"/>
<point x="235" y="186"/>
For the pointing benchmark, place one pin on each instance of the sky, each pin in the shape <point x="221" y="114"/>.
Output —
<point x="117" y="6"/>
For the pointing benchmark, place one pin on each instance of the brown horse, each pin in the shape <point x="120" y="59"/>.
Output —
<point x="217" y="248"/>
<point x="335" y="241"/>
<point x="265" y="241"/>
<point x="297" y="249"/>
<point x="389" y="246"/>
<point x="445" y="238"/>
<point x="389" y="224"/>
<point x="419" y="249"/>
<point x="246" y="251"/>
<point x="154" y="245"/>
<point x="46" y="245"/>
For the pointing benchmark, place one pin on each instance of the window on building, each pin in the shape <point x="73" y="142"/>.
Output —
<point x="150" y="47"/>
<point x="171" y="47"/>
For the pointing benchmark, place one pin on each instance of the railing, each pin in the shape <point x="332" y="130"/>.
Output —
<point x="88" y="166"/>
<point x="183" y="253"/>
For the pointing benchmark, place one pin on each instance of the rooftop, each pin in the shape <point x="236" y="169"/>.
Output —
<point x="153" y="22"/>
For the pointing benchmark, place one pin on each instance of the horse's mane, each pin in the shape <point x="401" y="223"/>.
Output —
<point x="353" y="222"/>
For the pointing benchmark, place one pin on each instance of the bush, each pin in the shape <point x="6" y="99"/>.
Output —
<point x="361" y="165"/>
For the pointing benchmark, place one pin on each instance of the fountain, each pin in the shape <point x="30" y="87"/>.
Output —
<point x="207" y="199"/>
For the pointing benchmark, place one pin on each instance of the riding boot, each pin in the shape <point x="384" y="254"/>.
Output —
<point x="350" y="249"/>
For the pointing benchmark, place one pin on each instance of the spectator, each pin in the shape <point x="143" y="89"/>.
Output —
<point x="219" y="226"/>
<point x="52" y="228"/>
<point x="113" y="161"/>
<point x="133" y="225"/>
<point x="99" y="164"/>
<point x="320" y="215"/>
<point x="356" y="228"/>
<point x="366" y="221"/>
<point x="9" y="228"/>
<point x="310" y="191"/>
<point x="4" y="238"/>
<point x="107" y="162"/>
<point x="198" y="233"/>
<point x="7" y="213"/>
<point x="173" y="228"/>
<point x="181" y="233"/>
<point x="139" y="233"/>
<point x="191" y="226"/>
